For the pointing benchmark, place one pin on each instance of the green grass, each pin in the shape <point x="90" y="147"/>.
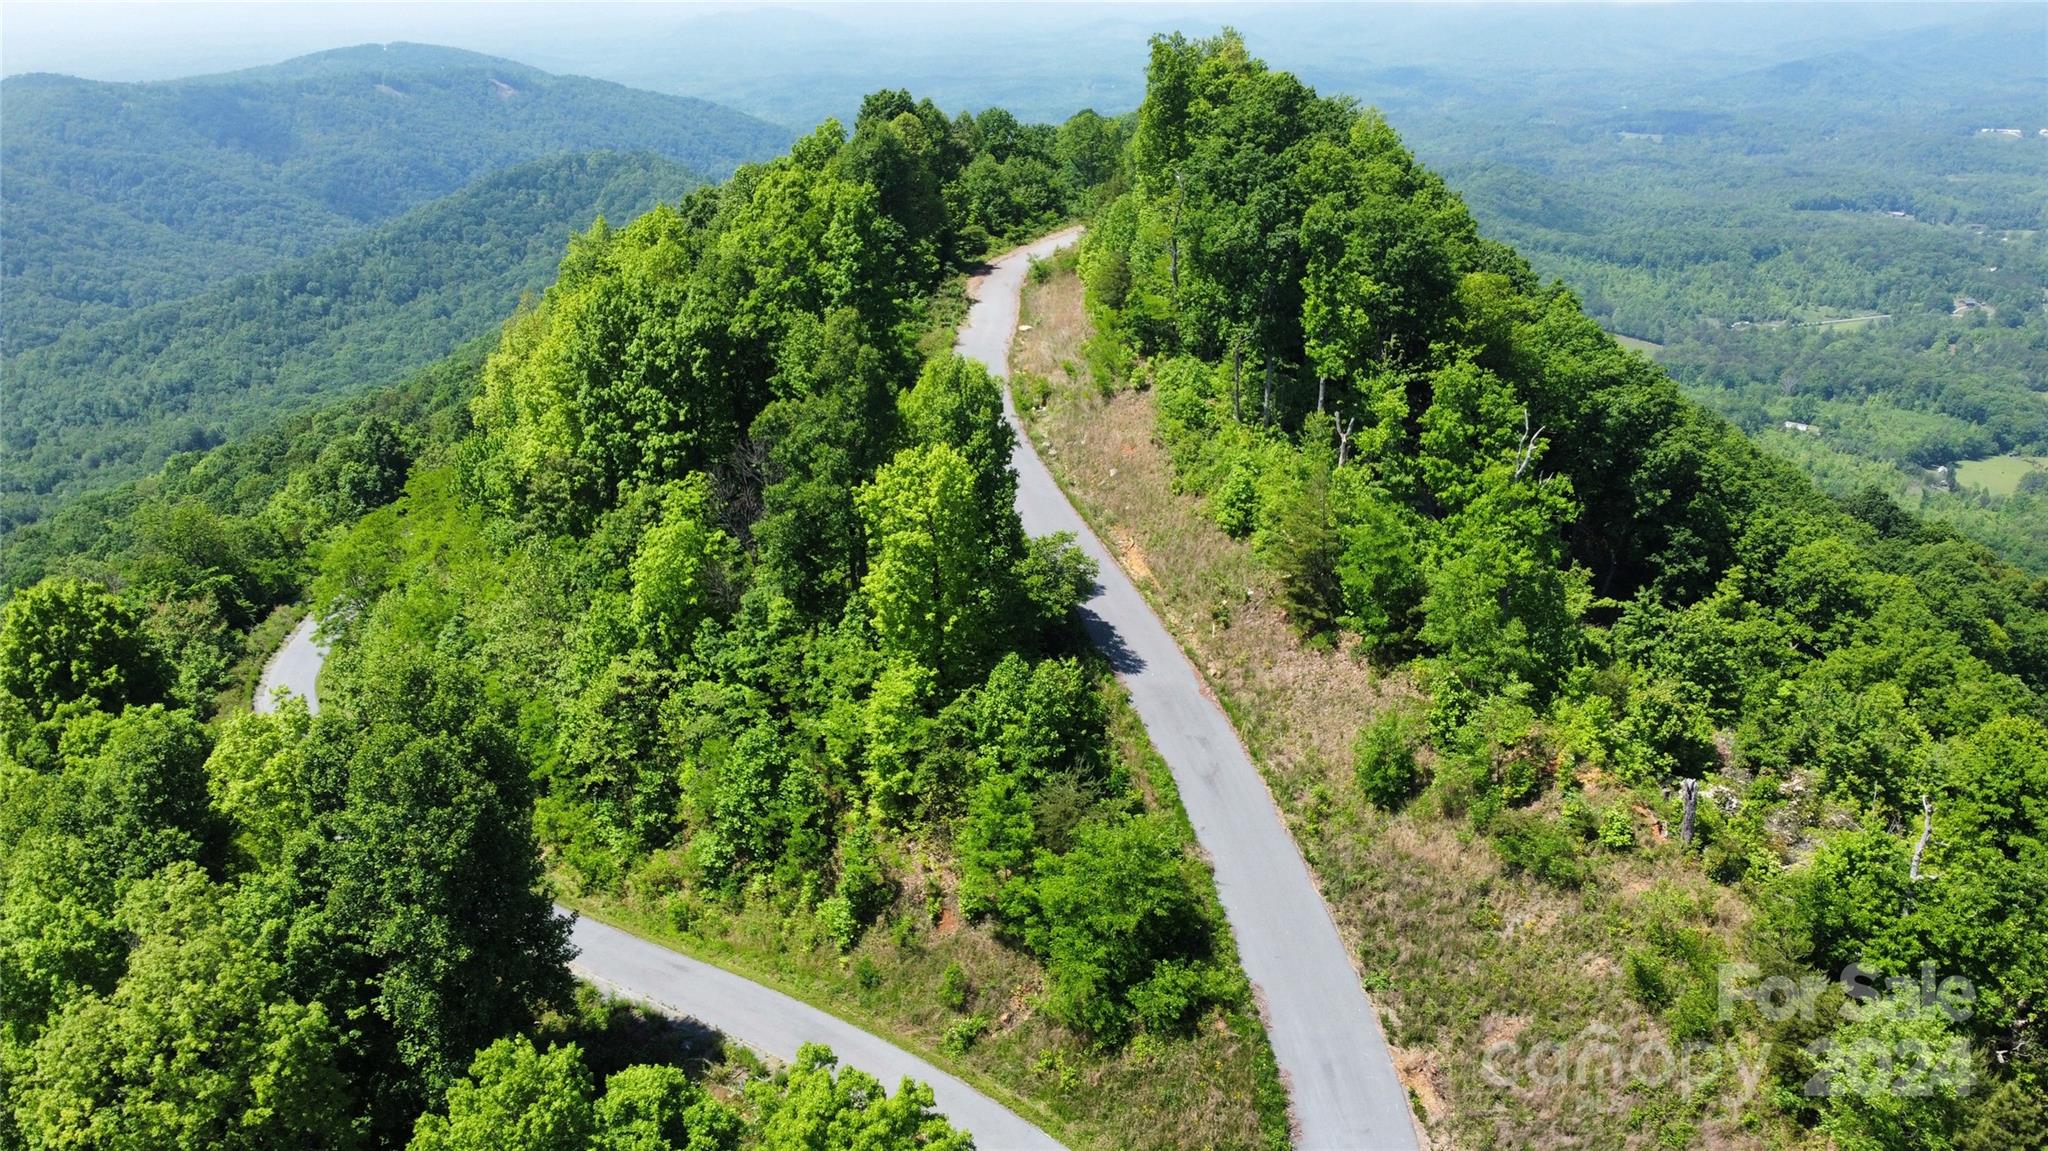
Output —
<point x="1459" y="951"/>
<point x="1999" y="475"/>
<point x="1219" y="1082"/>
<point x="1634" y="345"/>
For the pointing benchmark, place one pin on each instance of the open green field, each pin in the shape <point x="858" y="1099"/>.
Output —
<point x="1999" y="475"/>
<point x="1634" y="345"/>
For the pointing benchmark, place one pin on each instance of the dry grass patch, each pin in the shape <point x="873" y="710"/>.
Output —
<point x="1458" y="955"/>
<point x="1218" y="1083"/>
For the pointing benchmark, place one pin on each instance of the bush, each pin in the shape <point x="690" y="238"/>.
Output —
<point x="1112" y="911"/>
<point x="1384" y="757"/>
<point x="1236" y="502"/>
<point x="867" y="973"/>
<point x="1169" y="1001"/>
<point x="953" y="988"/>
<point x="961" y="1037"/>
<point x="1648" y="979"/>
<point x="1617" y="828"/>
<point x="1528" y="842"/>
<point x="835" y="918"/>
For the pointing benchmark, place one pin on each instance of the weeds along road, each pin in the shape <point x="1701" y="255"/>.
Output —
<point x="1340" y="1077"/>
<point x="757" y="1017"/>
<point x="1343" y="1090"/>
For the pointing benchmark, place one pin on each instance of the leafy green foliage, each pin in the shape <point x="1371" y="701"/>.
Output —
<point x="1384" y="759"/>
<point x="1607" y="587"/>
<point x="66" y="641"/>
<point x="197" y="1046"/>
<point x="1119" y="926"/>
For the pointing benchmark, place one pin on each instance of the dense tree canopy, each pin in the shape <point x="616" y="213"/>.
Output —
<point x="1435" y="450"/>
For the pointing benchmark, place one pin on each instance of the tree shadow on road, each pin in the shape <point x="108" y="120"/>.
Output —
<point x="1111" y="642"/>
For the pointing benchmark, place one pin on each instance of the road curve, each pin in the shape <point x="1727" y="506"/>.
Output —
<point x="764" y="1020"/>
<point x="775" y="1024"/>
<point x="1340" y="1077"/>
<point x="295" y="668"/>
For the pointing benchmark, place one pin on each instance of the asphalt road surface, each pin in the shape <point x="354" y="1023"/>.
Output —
<point x="762" y="1019"/>
<point x="295" y="668"/>
<point x="1340" y="1077"/>
<point x="775" y="1024"/>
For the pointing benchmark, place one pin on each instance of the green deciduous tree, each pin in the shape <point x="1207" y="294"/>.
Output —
<point x="258" y="779"/>
<point x="1501" y="607"/>
<point x="933" y="587"/>
<point x="1109" y="911"/>
<point x="816" y="1108"/>
<point x="684" y="570"/>
<point x="514" y="1098"/>
<point x="65" y="640"/>
<point x="196" y="1048"/>
<point x="995" y="847"/>
<point x="424" y="911"/>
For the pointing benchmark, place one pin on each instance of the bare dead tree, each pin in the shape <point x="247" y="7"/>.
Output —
<point x="1690" y="789"/>
<point x="1529" y="438"/>
<point x="1345" y="429"/>
<point x="1926" y="834"/>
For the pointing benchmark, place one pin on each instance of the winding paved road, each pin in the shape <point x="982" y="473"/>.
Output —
<point x="295" y="668"/>
<point x="1325" y="1034"/>
<point x="763" y="1019"/>
<point x="775" y="1024"/>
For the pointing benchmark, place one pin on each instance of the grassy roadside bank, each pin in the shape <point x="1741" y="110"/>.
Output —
<point x="952" y="993"/>
<point x="1462" y="956"/>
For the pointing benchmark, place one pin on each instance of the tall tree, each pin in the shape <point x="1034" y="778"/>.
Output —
<point x="65" y="640"/>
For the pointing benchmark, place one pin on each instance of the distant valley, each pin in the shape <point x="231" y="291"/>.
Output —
<point x="186" y="259"/>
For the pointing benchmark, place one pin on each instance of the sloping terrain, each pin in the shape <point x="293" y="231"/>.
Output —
<point x="109" y="402"/>
<point x="116" y="196"/>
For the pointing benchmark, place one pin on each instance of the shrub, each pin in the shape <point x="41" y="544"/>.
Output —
<point x="1617" y="828"/>
<point x="961" y="1037"/>
<point x="1384" y="757"/>
<point x="1113" y="910"/>
<point x="1528" y="842"/>
<point x="867" y="973"/>
<point x="835" y="918"/>
<point x="1236" y="502"/>
<point x="1176" y="993"/>
<point x="953" y="988"/>
<point x="1648" y="979"/>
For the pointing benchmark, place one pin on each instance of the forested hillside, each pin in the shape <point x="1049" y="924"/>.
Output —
<point x="1684" y="168"/>
<point x="1608" y="599"/>
<point x="107" y="402"/>
<point x="701" y="601"/>
<point x="1846" y="240"/>
<point x="1612" y="601"/>
<point x="117" y="196"/>
<point x="697" y="598"/>
<point x="185" y="260"/>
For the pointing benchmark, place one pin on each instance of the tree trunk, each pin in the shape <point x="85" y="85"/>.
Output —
<point x="1926" y="833"/>
<point x="1237" y="383"/>
<point x="1266" y="402"/>
<point x="1691" y="790"/>
<point x="1322" y="385"/>
<point x="1173" y="241"/>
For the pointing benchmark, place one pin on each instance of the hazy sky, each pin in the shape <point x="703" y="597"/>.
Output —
<point x="158" y="41"/>
<point x="797" y="63"/>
